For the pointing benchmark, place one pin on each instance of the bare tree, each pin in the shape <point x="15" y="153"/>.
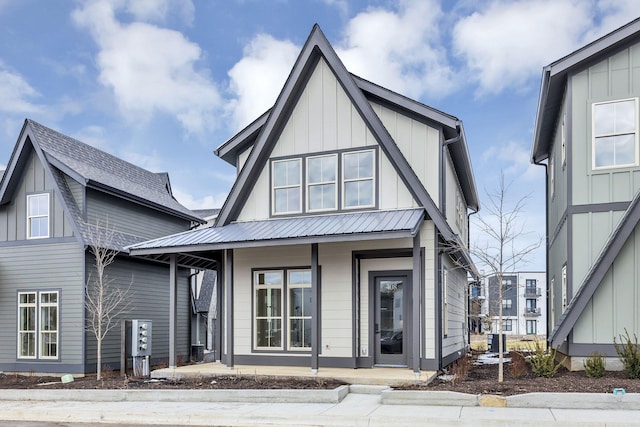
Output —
<point x="504" y="247"/>
<point x="105" y="301"/>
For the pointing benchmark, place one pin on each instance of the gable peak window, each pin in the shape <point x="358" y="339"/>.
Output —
<point x="38" y="216"/>
<point x="322" y="172"/>
<point x="615" y="133"/>
<point x="358" y="182"/>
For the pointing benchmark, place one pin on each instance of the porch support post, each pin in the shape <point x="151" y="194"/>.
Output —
<point x="173" y="287"/>
<point x="315" y="312"/>
<point x="415" y="307"/>
<point x="228" y="291"/>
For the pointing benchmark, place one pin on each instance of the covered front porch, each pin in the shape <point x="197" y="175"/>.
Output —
<point x="392" y="377"/>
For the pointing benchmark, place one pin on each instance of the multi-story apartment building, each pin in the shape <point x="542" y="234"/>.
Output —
<point x="523" y="304"/>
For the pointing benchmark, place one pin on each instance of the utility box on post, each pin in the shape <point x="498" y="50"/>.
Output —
<point x="141" y="346"/>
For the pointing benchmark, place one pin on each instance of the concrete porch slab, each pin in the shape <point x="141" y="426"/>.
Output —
<point x="367" y="376"/>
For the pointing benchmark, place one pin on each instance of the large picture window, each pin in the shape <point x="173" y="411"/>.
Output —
<point x="615" y="133"/>
<point x="38" y="324"/>
<point x="287" y="186"/>
<point x="38" y="216"/>
<point x="274" y="290"/>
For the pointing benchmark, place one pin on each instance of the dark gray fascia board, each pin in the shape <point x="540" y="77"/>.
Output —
<point x="554" y="77"/>
<point x="67" y="170"/>
<point x="16" y="162"/>
<point x="228" y="150"/>
<point x="596" y="274"/>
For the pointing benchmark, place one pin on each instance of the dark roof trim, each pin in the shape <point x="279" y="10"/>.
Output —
<point x="228" y="151"/>
<point x="315" y="47"/>
<point x="598" y="270"/>
<point x="554" y="78"/>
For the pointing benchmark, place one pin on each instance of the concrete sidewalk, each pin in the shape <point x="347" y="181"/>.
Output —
<point x="363" y="406"/>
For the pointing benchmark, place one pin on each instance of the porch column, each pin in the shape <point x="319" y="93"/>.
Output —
<point x="314" y="308"/>
<point x="228" y="291"/>
<point x="173" y="286"/>
<point x="415" y="288"/>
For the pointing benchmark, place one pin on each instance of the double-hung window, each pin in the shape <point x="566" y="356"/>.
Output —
<point x="277" y="328"/>
<point x="358" y="179"/>
<point x="38" y="216"/>
<point x="615" y="133"/>
<point x="38" y="325"/>
<point x="506" y="304"/>
<point x="532" y="327"/>
<point x="321" y="182"/>
<point x="287" y="186"/>
<point x="507" y="325"/>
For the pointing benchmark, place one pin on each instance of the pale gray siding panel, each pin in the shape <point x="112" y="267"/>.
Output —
<point x="130" y="218"/>
<point x="77" y="191"/>
<point x="149" y="296"/>
<point x="456" y="297"/>
<point x="42" y="267"/>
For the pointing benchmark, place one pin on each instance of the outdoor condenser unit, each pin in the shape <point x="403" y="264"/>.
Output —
<point x="141" y="346"/>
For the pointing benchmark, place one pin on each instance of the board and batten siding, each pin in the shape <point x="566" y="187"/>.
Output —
<point x="453" y="195"/>
<point x="616" y="303"/>
<point x="57" y="266"/>
<point x="13" y="216"/>
<point x="131" y="218"/>
<point x="149" y="300"/>
<point x="336" y="125"/>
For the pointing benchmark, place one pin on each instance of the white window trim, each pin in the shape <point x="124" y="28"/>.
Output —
<point x="372" y="179"/>
<point x="29" y="217"/>
<point x="38" y="353"/>
<point x="334" y="182"/>
<point x="256" y="287"/>
<point x="274" y="187"/>
<point x="593" y="135"/>
<point x="445" y="302"/>
<point x="564" y="288"/>
<point x="552" y="176"/>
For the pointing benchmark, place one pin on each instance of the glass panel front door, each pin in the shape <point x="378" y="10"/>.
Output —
<point x="390" y="314"/>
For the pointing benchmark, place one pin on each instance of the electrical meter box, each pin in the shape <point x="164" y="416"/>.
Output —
<point x="141" y="338"/>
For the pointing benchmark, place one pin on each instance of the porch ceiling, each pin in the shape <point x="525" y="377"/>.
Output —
<point x="194" y="248"/>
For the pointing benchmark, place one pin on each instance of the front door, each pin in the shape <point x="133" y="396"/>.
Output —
<point x="390" y="313"/>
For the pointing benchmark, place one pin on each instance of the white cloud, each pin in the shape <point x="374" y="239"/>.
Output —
<point x="150" y="69"/>
<point x="341" y="5"/>
<point x="401" y="50"/>
<point x="271" y="60"/>
<point x="615" y="13"/>
<point x="515" y="161"/>
<point x="16" y="96"/>
<point x="507" y="43"/>
<point x="206" y="202"/>
<point x="158" y="10"/>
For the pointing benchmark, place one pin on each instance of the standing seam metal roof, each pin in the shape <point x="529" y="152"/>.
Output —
<point x="357" y="223"/>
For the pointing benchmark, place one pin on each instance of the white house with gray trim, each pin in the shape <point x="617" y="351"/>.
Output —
<point x="586" y="136"/>
<point x="54" y="190"/>
<point x="340" y="241"/>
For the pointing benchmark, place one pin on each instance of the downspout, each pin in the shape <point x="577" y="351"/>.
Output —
<point x="546" y="233"/>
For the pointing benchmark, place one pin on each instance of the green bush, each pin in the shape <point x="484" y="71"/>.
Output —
<point x="629" y="354"/>
<point x="594" y="366"/>
<point x="543" y="361"/>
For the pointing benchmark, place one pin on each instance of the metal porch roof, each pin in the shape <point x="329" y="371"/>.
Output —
<point x="287" y="231"/>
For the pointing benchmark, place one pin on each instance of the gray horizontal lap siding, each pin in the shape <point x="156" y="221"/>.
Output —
<point x="131" y="218"/>
<point x="42" y="267"/>
<point x="149" y="296"/>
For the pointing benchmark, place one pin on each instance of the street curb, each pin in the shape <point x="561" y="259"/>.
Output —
<point x="629" y="401"/>
<point x="428" y="398"/>
<point x="246" y="396"/>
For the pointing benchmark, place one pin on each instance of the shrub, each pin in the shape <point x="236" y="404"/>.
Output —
<point x="543" y="361"/>
<point x="629" y="354"/>
<point x="460" y="368"/>
<point x="594" y="366"/>
<point x="518" y="366"/>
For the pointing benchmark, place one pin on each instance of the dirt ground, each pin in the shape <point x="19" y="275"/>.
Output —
<point x="481" y="379"/>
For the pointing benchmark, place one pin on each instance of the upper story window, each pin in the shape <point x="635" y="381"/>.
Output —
<point x="358" y="179"/>
<point x="322" y="172"/>
<point x="317" y="180"/>
<point x="287" y="178"/>
<point x="615" y="133"/>
<point x="38" y="216"/>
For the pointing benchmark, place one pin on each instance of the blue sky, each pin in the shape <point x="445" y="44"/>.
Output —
<point x="162" y="83"/>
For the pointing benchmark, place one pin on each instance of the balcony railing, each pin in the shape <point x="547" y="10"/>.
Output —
<point x="532" y="292"/>
<point x="532" y="312"/>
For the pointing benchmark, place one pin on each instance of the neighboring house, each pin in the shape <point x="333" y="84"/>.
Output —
<point x="523" y="303"/>
<point x="54" y="190"/>
<point x="340" y="243"/>
<point x="586" y="132"/>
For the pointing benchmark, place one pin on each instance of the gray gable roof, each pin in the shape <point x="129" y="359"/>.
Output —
<point x="316" y="47"/>
<point x="554" y="80"/>
<point x="596" y="273"/>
